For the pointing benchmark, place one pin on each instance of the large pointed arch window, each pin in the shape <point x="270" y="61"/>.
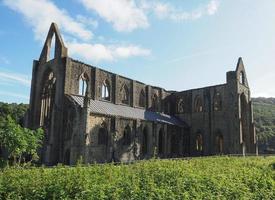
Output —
<point x="47" y="99"/>
<point x="82" y="85"/>
<point x="125" y="95"/>
<point x="105" y="90"/>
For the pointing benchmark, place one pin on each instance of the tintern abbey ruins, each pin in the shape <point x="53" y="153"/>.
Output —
<point x="91" y="114"/>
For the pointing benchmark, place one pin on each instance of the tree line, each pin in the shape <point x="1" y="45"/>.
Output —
<point x="17" y="143"/>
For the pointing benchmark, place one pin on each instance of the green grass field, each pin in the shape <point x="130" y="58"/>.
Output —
<point x="197" y="178"/>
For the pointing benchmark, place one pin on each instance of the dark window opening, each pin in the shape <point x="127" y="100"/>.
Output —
<point x="67" y="157"/>
<point x="142" y="99"/>
<point x="161" y="142"/>
<point x="127" y="135"/>
<point x="103" y="135"/>
<point x="155" y="103"/>
<point x="144" y="145"/>
<point x="174" y="145"/>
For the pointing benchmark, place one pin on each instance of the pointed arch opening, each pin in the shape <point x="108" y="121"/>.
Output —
<point x="103" y="135"/>
<point x="82" y="84"/>
<point x="144" y="146"/>
<point x="242" y="78"/>
<point x="199" y="143"/>
<point x="198" y="104"/>
<point x="52" y="47"/>
<point x="155" y="102"/>
<point x="127" y="136"/>
<point x="125" y="98"/>
<point x="105" y="90"/>
<point x="142" y="99"/>
<point x="47" y="99"/>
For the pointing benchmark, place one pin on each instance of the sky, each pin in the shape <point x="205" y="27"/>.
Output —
<point x="176" y="44"/>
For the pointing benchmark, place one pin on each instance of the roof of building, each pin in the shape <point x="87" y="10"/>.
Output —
<point x="111" y="109"/>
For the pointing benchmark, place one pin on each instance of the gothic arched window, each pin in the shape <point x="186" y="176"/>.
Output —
<point x="103" y="135"/>
<point x="127" y="135"/>
<point x="105" y="90"/>
<point x="198" y="104"/>
<point x="47" y="99"/>
<point x="125" y="95"/>
<point x="217" y="102"/>
<point x="82" y="85"/>
<point x="142" y="99"/>
<point x="181" y="106"/>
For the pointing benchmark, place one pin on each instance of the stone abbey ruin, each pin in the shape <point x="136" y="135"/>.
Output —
<point x="100" y="116"/>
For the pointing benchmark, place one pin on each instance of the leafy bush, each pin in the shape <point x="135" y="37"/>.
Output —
<point x="198" y="178"/>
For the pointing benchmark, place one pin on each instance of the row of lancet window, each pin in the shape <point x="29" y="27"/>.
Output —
<point x="198" y="105"/>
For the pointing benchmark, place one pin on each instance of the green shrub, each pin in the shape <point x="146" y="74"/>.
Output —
<point x="198" y="178"/>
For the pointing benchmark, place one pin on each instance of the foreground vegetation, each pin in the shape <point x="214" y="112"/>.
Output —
<point x="198" y="178"/>
<point x="17" y="144"/>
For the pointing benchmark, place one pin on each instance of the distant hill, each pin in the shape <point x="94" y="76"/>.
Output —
<point x="264" y="116"/>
